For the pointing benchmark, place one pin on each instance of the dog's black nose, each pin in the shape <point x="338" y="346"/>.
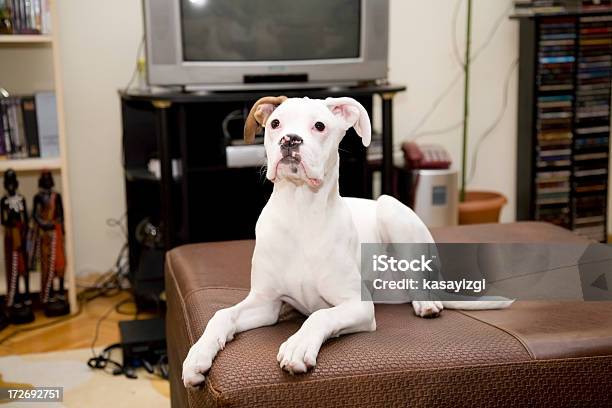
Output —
<point x="289" y="145"/>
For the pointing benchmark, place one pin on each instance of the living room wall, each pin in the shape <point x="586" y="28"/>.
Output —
<point x="98" y="43"/>
<point x="421" y="56"/>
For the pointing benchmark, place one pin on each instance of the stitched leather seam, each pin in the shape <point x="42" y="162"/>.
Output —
<point x="192" y="291"/>
<point x="509" y="332"/>
<point x="181" y="298"/>
<point x="443" y="369"/>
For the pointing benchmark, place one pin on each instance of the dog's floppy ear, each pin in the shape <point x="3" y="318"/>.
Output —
<point x="259" y="115"/>
<point x="352" y="114"/>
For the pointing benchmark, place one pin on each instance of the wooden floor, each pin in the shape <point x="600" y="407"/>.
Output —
<point x="76" y="332"/>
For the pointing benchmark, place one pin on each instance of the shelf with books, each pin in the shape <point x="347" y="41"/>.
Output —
<point x="36" y="164"/>
<point x="556" y="8"/>
<point x="29" y="126"/>
<point x="25" y="16"/>
<point x="25" y="38"/>
<point x="32" y="116"/>
<point x="564" y="121"/>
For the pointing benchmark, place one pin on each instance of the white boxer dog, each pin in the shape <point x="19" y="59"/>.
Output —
<point x="307" y="250"/>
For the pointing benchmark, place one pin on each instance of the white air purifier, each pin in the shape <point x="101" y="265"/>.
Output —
<point x="436" y="196"/>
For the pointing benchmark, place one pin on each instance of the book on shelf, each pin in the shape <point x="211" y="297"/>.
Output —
<point x="46" y="114"/>
<point x="530" y="7"/>
<point x="573" y="76"/>
<point x="28" y="126"/>
<point x="25" y="17"/>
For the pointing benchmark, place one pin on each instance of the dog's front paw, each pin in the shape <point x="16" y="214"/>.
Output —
<point x="427" y="308"/>
<point x="299" y="353"/>
<point x="196" y="365"/>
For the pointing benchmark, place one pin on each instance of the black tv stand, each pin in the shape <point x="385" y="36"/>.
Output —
<point x="273" y="87"/>
<point x="209" y="201"/>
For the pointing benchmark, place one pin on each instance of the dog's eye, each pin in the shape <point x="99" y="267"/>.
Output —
<point x="320" y="126"/>
<point x="275" y="123"/>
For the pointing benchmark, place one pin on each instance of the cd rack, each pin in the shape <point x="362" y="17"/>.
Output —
<point x="565" y="77"/>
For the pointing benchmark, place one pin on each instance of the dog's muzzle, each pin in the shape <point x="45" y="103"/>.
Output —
<point x="290" y="148"/>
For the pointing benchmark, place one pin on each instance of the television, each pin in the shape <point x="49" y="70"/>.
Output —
<point x="272" y="44"/>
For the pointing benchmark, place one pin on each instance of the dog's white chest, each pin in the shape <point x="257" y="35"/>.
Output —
<point x="302" y="292"/>
<point x="302" y="272"/>
<point x="307" y="250"/>
<point x="309" y="271"/>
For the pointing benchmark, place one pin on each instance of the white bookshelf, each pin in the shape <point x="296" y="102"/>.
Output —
<point x="25" y="39"/>
<point x="44" y="49"/>
<point x="27" y="165"/>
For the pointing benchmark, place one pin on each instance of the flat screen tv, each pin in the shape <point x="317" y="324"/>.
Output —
<point x="238" y="44"/>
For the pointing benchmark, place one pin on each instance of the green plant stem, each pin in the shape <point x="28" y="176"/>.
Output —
<point x="466" y="99"/>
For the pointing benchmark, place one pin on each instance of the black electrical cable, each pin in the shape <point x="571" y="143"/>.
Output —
<point x="99" y="322"/>
<point x="102" y="360"/>
<point x="134" y="313"/>
<point x="438" y="131"/>
<point x="135" y="72"/>
<point x="413" y="135"/>
<point x="107" y="285"/>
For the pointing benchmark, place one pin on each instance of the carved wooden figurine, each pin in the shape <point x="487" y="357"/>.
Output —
<point x="48" y="246"/>
<point x="14" y="218"/>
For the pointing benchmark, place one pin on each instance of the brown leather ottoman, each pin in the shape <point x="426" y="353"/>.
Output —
<point x="533" y="354"/>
